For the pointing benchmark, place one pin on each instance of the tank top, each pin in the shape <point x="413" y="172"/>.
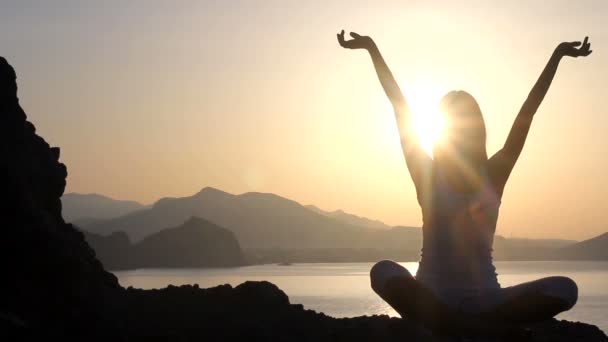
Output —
<point x="458" y="233"/>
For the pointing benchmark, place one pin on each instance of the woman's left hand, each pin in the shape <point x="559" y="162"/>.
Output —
<point x="575" y="49"/>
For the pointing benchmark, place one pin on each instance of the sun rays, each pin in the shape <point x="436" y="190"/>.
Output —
<point x="427" y="121"/>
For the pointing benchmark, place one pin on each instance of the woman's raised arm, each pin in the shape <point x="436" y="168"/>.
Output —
<point x="415" y="156"/>
<point x="504" y="160"/>
<point x="390" y="86"/>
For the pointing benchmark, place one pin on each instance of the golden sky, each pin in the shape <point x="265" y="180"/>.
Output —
<point x="157" y="98"/>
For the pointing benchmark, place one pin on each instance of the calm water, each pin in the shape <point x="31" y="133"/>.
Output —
<point x="342" y="289"/>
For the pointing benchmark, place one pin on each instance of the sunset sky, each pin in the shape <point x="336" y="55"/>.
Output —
<point x="149" y="99"/>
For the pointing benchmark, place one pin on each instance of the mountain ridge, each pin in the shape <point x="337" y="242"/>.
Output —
<point x="93" y="206"/>
<point x="272" y="216"/>
<point x="277" y="228"/>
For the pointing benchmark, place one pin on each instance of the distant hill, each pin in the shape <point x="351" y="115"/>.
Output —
<point x="543" y="243"/>
<point x="195" y="243"/>
<point x="592" y="249"/>
<point x="406" y="244"/>
<point x="350" y="218"/>
<point x="115" y="251"/>
<point x="273" y="228"/>
<point x="86" y="207"/>
<point x="259" y="220"/>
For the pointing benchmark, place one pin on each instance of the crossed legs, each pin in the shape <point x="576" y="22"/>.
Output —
<point x="524" y="303"/>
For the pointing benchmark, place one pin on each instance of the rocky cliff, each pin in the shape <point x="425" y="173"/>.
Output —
<point x="53" y="282"/>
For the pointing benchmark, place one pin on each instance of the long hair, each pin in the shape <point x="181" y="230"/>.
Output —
<point x="464" y="131"/>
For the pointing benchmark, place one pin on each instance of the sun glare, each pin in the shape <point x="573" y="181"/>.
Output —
<point x="423" y="101"/>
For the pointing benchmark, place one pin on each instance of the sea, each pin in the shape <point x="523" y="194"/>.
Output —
<point x="343" y="289"/>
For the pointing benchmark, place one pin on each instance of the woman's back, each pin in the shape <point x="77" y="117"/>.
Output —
<point x="458" y="233"/>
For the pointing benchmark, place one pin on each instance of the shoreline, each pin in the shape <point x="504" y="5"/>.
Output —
<point x="328" y="262"/>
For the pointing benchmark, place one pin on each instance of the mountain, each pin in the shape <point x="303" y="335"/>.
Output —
<point x="542" y="243"/>
<point x="592" y="249"/>
<point x="273" y="228"/>
<point x="195" y="243"/>
<point x="115" y="251"/>
<point x="81" y="208"/>
<point x="350" y="218"/>
<point x="259" y="220"/>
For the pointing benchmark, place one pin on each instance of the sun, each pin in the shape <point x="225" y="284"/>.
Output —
<point x="423" y="102"/>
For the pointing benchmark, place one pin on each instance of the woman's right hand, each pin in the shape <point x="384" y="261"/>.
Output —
<point x="358" y="41"/>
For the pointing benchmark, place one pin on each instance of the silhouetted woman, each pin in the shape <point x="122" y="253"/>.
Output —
<point x="459" y="191"/>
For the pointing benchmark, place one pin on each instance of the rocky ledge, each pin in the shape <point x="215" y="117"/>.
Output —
<point x="260" y="311"/>
<point x="55" y="287"/>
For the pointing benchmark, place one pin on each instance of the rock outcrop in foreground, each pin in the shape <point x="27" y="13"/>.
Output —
<point x="259" y="311"/>
<point x="54" y="286"/>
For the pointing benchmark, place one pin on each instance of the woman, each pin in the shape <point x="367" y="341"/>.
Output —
<point x="459" y="191"/>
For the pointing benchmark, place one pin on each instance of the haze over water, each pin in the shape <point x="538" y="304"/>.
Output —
<point x="343" y="290"/>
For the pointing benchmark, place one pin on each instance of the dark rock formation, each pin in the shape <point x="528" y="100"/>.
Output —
<point x="53" y="282"/>
<point x="54" y="287"/>
<point x="259" y="311"/>
<point x="196" y="243"/>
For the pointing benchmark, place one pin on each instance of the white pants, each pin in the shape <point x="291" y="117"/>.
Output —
<point x="558" y="287"/>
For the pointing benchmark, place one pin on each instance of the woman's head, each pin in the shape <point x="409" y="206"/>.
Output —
<point x="464" y="132"/>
